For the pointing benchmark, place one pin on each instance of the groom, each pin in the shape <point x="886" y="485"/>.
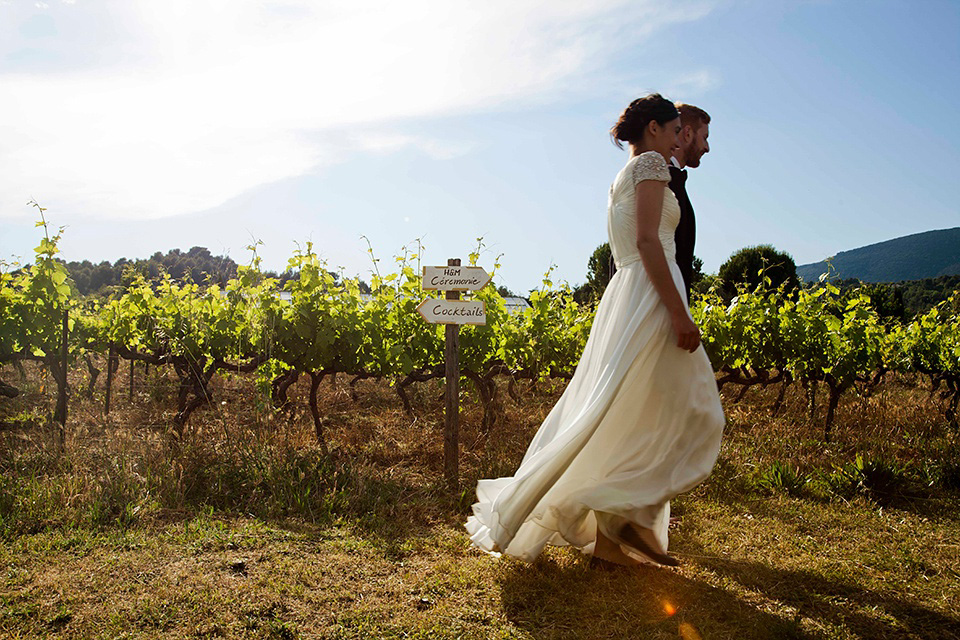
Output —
<point x="694" y="129"/>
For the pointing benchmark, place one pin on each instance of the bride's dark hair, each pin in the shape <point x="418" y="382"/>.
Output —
<point x="637" y="116"/>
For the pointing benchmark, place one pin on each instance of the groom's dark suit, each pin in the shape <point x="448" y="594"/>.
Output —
<point x="686" y="233"/>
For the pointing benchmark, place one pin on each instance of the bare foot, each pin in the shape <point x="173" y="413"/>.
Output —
<point x="644" y="541"/>
<point x="609" y="551"/>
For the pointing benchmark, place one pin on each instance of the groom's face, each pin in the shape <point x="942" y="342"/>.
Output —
<point x="697" y="146"/>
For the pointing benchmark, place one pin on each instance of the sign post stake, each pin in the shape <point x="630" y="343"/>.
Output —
<point x="452" y="311"/>
<point x="451" y="430"/>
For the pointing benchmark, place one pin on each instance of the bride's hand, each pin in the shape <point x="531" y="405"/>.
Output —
<point x="688" y="335"/>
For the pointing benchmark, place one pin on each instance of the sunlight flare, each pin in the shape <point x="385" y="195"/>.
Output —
<point x="688" y="632"/>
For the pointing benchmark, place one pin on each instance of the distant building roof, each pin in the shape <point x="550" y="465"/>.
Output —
<point x="516" y="305"/>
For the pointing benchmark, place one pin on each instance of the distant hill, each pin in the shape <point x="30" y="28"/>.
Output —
<point x="921" y="255"/>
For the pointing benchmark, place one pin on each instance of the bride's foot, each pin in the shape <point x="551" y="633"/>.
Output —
<point x="599" y="564"/>
<point x="645" y="542"/>
<point x="606" y="553"/>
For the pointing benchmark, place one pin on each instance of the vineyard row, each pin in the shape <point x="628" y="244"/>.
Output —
<point x="323" y="326"/>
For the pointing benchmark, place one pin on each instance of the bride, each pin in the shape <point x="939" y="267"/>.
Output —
<point x="640" y="421"/>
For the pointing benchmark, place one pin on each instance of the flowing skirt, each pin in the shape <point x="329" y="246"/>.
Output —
<point x="639" y="423"/>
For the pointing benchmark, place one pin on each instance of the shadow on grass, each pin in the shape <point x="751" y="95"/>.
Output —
<point x="840" y="602"/>
<point x="548" y="600"/>
<point x="389" y="514"/>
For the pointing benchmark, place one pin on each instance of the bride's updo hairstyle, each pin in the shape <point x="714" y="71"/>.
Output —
<point x="638" y="115"/>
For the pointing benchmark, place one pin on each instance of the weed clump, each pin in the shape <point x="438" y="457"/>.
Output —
<point x="876" y="477"/>
<point x="781" y="477"/>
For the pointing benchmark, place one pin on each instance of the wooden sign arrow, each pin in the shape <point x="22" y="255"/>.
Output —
<point x="439" y="311"/>
<point x="455" y="278"/>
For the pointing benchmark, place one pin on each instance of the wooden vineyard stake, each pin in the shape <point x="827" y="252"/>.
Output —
<point x="61" y="412"/>
<point x="451" y="410"/>
<point x="111" y="355"/>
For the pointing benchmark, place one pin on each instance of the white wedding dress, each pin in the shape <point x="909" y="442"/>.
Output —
<point x="639" y="423"/>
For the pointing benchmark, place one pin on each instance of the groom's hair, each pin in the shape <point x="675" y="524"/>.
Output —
<point x="692" y="116"/>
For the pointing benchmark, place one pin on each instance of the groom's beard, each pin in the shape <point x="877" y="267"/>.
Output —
<point x="692" y="157"/>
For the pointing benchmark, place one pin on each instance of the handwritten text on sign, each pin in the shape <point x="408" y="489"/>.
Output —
<point x="455" y="278"/>
<point x="453" y="311"/>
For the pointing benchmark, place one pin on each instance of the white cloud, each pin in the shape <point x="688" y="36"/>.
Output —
<point x="198" y="101"/>
<point x="693" y="85"/>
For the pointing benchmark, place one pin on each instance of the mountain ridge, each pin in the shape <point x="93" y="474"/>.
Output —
<point x="917" y="256"/>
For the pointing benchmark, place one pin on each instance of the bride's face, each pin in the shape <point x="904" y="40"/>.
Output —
<point x="665" y="139"/>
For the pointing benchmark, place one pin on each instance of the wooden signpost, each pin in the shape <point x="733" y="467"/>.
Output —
<point x="453" y="312"/>
<point x="455" y="278"/>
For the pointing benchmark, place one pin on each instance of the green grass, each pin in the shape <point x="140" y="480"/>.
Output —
<point x="248" y="531"/>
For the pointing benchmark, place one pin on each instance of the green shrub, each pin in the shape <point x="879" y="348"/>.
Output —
<point x="876" y="477"/>
<point x="949" y="474"/>
<point x="781" y="477"/>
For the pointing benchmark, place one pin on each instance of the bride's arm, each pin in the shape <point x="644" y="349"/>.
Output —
<point x="649" y="195"/>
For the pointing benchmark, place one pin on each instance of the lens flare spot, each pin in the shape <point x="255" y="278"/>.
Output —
<point x="669" y="608"/>
<point x="687" y="632"/>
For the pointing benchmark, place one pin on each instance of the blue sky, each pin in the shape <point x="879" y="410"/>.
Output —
<point x="144" y="125"/>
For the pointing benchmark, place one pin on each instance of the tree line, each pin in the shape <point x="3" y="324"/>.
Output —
<point x="196" y="265"/>
<point x="767" y="267"/>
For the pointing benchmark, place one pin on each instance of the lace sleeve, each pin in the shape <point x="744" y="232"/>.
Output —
<point x="650" y="165"/>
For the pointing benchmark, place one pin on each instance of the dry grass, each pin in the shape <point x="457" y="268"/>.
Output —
<point x="248" y="531"/>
